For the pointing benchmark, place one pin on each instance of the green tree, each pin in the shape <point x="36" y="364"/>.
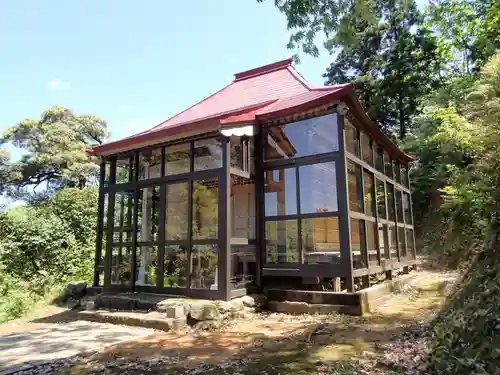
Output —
<point x="54" y="152"/>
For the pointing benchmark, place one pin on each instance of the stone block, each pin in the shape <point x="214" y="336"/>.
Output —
<point x="175" y="312"/>
<point x="204" y="311"/>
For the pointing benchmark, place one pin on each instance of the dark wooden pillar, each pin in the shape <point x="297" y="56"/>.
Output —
<point x="343" y="198"/>
<point x="100" y="219"/>
<point x="224" y="232"/>
<point x="259" y="204"/>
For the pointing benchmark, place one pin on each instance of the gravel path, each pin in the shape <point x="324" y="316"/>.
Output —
<point x="20" y="350"/>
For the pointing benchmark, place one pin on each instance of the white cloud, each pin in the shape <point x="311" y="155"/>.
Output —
<point x="59" y="84"/>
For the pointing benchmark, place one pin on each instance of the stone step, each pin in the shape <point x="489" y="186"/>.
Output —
<point x="153" y="320"/>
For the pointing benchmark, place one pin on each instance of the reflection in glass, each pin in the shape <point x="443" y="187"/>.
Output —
<point x="390" y="202"/>
<point x="205" y="208"/>
<point x="321" y="240"/>
<point x="236" y="153"/>
<point x="354" y="188"/>
<point x="176" y="267"/>
<point x="149" y="164"/>
<point x="121" y="261"/>
<point x="407" y="208"/>
<point x="388" y="165"/>
<point x="176" y="217"/>
<point x="282" y="241"/>
<point x="397" y="172"/>
<point x="368" y="193"/>
<point x="366" y="148"/>
<point x="318" y="188"/>
<point x="393" y="242"/>
<point x="281" y="192"/>
<point x="207" y="154"/>
<point x="177" y="159"/>
<point x="358" y="244"/>
<point x="123" y="214"/>
<point x="402" y="241"/>
<point x="351" y="138"/>
<point x="302" y="138"/>
<point x="399" y="206"/>
<point x="404" y="176"/>
<point x="242" y="218"/>
<point x="125" y="169"/>
<point x="148" y="215"/>
<point x="371" y="242"/>
<point x="380" y="195"/>
<point x="383" y="241"/>
<point x="204" y="267"/>
<point x="379" y="159"/>
<point x="243" y="265"/>
<point x="147" y="265"/>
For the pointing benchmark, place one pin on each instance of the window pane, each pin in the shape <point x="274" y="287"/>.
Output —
<point x="399" y="206"/>
<point x="351" y="138"/>
<point x="148" y="214"/>
<point x="404" y="176"/>
<point x="243" y="265"/>
<point x="121" y="263"/>
<point x="379" y="160"/>
<point x="176" y="211"/>
<point x="204" y="267"/>
<point x="124" y="206"/>
<point x="176" y="267"/>
<point x="390" y="202"/>
<point x="354" y="190"/>
<point x="147" y="265"/>
<point x="397" y="172"/>
<point x="383" y="241"/>
<point x="366" y="148"/>
<point x="207" y="154"/>
<point x="107" y="171"/>
<point x="388" y="165"/>
<point x="281" y="192"/>
<point x="402" y="241"/>
<point x="318" y="188"/>
<point x="302" y="138"/>
<point x="177" y="159"/>
<point x="358" y="244"/>
<point x="236" y="153"/>
<point x="368" y="182"/>
<point x="380" y="196"/>
<point x="407" y="208"/>
<point x="149" y="164"/>
<point x="282" y="241"/>
<point x="410" y="242"/>
<point x="205" y="208"/>
<point x="242" y="218"/>
<point x="321" y="240"/>
<point x="371" y="243"/>
<point x="393" y="243"/>
<point x="124" y="169"/>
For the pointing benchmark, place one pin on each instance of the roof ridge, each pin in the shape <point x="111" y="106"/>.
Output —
<point x="264" y="69"/>
<point x="188" y="108"/>
<point x="299" y="77"/>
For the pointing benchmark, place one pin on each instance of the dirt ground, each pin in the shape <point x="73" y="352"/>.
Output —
<point x="272" y="343"/>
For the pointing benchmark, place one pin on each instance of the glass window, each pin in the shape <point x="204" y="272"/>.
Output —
<point x="121" y="265"/>
<point x="380" y="196"/>
<point x="204" y="267"/>
<point x="281" y="192"/>
<point x="393" y="242"/>
<point x="399" y="206"/>
<point x="207" y="154"/>
<point x="282" y="241"/>
<point x="236" y="152"/>
<point x="123" y="215"/>
<point x="147" y="265"/>
<point x="404" y="176"/>
<point x="148" y="214"/>
<point x="371" y="241"/>
<point x="125" y="169"/>
<point x="243" y="265"/>
<point x="407" y="208"/>
<point x="176" y="267"/>
<point x="351" y="138"/>
<point x="402" y="241"/>
<point x="302" y="138"/>
<point x="318" y="188"/>
<point x="176" y="211"/>
<point x="177" y="159"/>
<point x="107" y="171"/>
<point x="368" y="191"/>
<point x="410" y="242"/>
<point x="205" y="208"/>
<point x="321" y="240"/>
<point x="242" y="218"/>
<point x="379" y="159"/>
<point x="390" y="202"/>
<point x="149" y="164"/>
<point x="397" y="172"/>
<point x="366" y="148"/>
<point x="354" y="187"/>
<point x="388" y="165"/>
<point x="358" y="244"/>
<point x="383" y="241"/>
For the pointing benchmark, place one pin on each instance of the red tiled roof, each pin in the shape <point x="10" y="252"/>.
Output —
<point x="266" y="92"/>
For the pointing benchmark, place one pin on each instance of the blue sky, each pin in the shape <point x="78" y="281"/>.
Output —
<point x="133" y="63"/>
